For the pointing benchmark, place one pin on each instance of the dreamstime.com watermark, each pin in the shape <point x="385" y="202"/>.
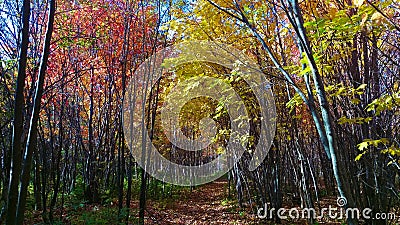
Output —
<point x="146" y="80"/>
<point x="330" y="212"/>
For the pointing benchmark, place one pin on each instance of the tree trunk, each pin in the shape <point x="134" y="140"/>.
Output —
<point x="16" y="151"/>
<point x="32" y="135"/>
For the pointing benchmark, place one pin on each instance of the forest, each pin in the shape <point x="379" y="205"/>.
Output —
<point x="200" y="112"/>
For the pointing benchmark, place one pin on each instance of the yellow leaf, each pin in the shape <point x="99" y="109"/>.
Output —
<point x="363" y="145"/>
<point x="355" y="101"/>
<point x="396" y="85"/>
<point x="343" y="120"/>
<point x="358" y="3"/>
<point x="361" y="87"/>
<point x="376" y="16"/>
<point x="359" y="156"/>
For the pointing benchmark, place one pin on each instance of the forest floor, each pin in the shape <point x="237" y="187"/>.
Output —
<point x="204" y="205"/>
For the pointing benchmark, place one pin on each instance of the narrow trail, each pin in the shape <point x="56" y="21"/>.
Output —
<point x="206" y="204"/>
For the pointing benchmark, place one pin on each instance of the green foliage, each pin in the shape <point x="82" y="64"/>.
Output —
<point x="357" y="120"/>
<point x="294" y="102"/>
<point x="340" y="91"/>
<point x="363" y="146"/>
<point x="104" y="216"/>
<point x="78" y="193"/>
<point x="393" y="150"/>
<point x="385" y="102"/>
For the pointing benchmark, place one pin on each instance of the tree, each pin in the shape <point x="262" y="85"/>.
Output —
<point x="17" y="138"/>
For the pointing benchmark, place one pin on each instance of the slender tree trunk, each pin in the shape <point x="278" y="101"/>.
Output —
<point x="129" y="190"/>
<point x="142" y="197"/>
<point x="144" y="176"/>
<point x="16" y="151"/>
<point x="323" y="102"/>
<point x="60" y="148"/>
<point x="32" y="135"/>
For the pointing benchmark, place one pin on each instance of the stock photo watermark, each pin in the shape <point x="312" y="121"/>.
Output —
<point x="183" y="171"/>
<point x="337" y="212"/>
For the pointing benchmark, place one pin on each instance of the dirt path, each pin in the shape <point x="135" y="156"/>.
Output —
<point x="206" y="204"/>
